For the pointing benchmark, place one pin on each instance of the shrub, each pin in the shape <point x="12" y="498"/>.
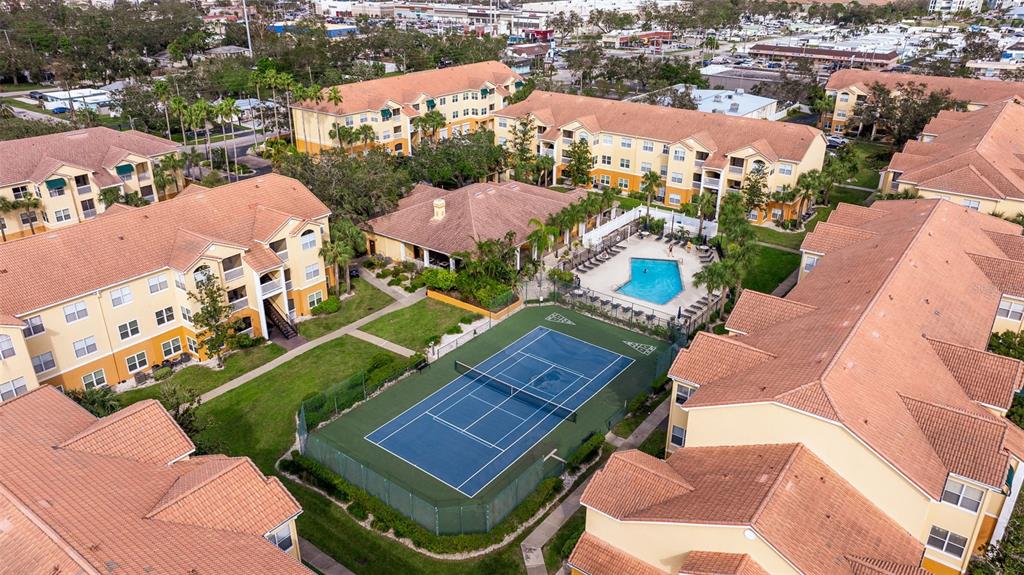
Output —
<point x="561" y="276"/>
<point x="407" y="266"/>
<point x="162" y="373"/>
<point x="416" y="283"/>
<point x="357" y="510"/>
<point x="386" y="272"/>
<point x="380" y="525"/>
<point x="438" y="279"/>
<point x="244" y="340"/>
<point x="379" y="360"/>
<point x="409" y="288"/>
<point x="434" y="340"/>
<point x="470" y="318"/>
<point x="454" y="330"/>
<point x="329" y="305"/>
<point x="586" y="452"/>
<point x="394" y="281"/>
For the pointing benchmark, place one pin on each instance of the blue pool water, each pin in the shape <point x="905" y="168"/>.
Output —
<point x="656" y="281"/>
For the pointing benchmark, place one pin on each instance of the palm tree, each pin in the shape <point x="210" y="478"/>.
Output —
<point x="344" y="134"/>
<point x="161" y="178"/>
<point x="365" y="134"/>
<point x="203" y="112"/>
<point x="190" y="159"/>
<point x="650" y="184"/>
<point x="28" y="205"/>
<point x="540" y="238"/>
<point x="173" y="164"/>
<point x="162" y="91"/>
<point x="6" y="207"/>
<point x="429" y="123"/>
<point x="543" y="164"/>
<point x="227" y="110"/>
<point x="179" y="108"/>
<point x="256" y="79"/>
<point x="338" y="254"/>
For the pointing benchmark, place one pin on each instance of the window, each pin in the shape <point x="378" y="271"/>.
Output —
<point x="193" y="346"/>
<point x="94" y="379"/>
<point x="606" y="139"/>
<point x="677" y="178"/>
<point x="164" y="315"/>
<point x="962" y="495"/>
<point x="43" y="362"/>
<point x="158" y="284"/>
<point x="120" y="296"/>
<point x="624" y="183"/>
<point x="841" y="115"/>
<point x="363" y="118"/>
<point x="675" y="199"/>
<point x="645" y="167"/>
<point x="947" y="541"/>
<point x="663" y="171"/>
<point x="455" y="98"/>
<point x="282" y="537"/>
<point x="33" y="326"/>
<point x="502" y="123"/>
<point x="682" y="394"/>
<point x="202" y="272"/>
<point x="136" y="362"/>
<point x="308" y="240"/>
<point x="129" y="329"/>
<point x="315" y="298"/>
<point x="444" y="100"/>
<point x="624" y="163"/>
<point x="312" y="271"/>
<point x="350" y="121"/>
<point x="678" y="436"/>
<point x="786" y="169"/>
<point x="455" y="114"/>
<point x="29" y="218"/>
<point x="20" y="192"/>
<point x="13" y="388"/>
<point x="648" y="146"/>
<point x="626" y="143"/>
<point x="84" y="347"/>
<point x="969" y="204"/>
<point x="88" y="208"/>
<point x="62" y="215"/>
<point x="179" y="280"/>
<point x="844" y="97"/>
<point x="1010" y="310"/>
<point x="679" y="154"/>
<point x="186" y="314"/>
<point x="6" y="347"/>
<point x="810" y="262"/>
<point x="606" y="160"/>
<point x="502" y="140"/>
<point x="664" y="149"/>
<point x="75" y="311"/>
<point x="171" y="347"/>
<point x="606" y="180"/>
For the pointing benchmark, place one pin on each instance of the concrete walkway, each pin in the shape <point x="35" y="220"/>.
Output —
<point x="533" y="545"/>
<point x="320" y="560"/>
<point x="370" y="277"/>
<point x="787" y="284"/>
<point x="381" y="342"/>
<point x="349" y="329"/>
<point x="778" y="247"/>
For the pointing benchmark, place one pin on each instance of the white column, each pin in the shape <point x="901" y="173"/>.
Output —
<point x="518" y="253"/>
<point x="426" y="257"/>
<point x="451" y="263"/>
<point x="259" y="304"/>
<point x="401" y="251"/>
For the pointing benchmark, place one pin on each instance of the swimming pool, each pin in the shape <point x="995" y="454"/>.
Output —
<point x="653" y="280"/>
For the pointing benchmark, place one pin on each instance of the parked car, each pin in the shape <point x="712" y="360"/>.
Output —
<point x="835" y="141"/>
<point x="35" y="95"/>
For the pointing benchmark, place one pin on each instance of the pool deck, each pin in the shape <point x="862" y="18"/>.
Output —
<point x="615" y="272"/>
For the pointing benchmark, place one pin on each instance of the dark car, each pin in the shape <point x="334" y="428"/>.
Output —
<point x="35" y="95"/>
<point x="353" y="272"/>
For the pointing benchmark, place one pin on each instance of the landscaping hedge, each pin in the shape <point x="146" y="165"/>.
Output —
<point x="382" y="368"/>
<point x="586" y="452"/>
<point x="386" y="518"/>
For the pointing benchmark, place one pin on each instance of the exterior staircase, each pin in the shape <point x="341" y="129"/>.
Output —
<point x="279" y="320"/>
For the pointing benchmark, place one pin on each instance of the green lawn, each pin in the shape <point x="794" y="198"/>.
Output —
<point x="108" y="121"/>
<point x="655" y="443"/>
<point x="559" y="547"/>
<point x="769" y="268"/>
<point x="203" y="379"/>
<point x="871" y="157"/>
<point x="793" y="240"/>
<point x="414" y="326"/>
<point x="366" y="300"/>
<point x="769" y="235"/>
<point x="258" y="418"/>
<point x="365" y="552"/>
<point x="628" y="425"/>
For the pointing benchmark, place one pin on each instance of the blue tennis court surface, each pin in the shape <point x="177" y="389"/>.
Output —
<point x="472" y="429"/>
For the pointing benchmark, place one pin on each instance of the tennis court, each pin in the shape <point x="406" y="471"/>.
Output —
<point x="468" y="432"/>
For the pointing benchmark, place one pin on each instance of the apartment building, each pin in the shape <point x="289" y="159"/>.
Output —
<point x="466" y="95"/>
<point x="950" y="7"/>
<point x="970" y="158"/>
<point x="104" y="301"/>
<point x="695" y="152"/>
<point x="66" y="171"/>
<point x="852" y="87"/>
<point x="124" y="494"/>
<point x="876" y="364"/>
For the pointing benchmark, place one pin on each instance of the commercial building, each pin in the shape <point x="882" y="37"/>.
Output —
<point x="694" y="152"/>
<point x="822" y="57"/>
<point x="720" y="101"/>
<point x="106" y="300"/>
<point x="852" y="87"/>
<point x="66" y="172"/>
<point x="866" y="395"/>
<point x="431" y="225"/>
<point x="954" y="6"/>
<point x="971" y="158"/>
<point x="123" y="494"/>
<point x="466" y="96"/>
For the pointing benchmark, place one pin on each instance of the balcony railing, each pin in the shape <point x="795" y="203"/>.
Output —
<point x="566" y="141"/>
<point x="84" y="190"/>
<point x="126" y="177"/>
<point x="247" y="332"/>
<point x="88" y="214"/>
<point x="150" y="198"/>
<point x="145" y="176"/>
<point x="288" y="285"/>
<point x="698" y="162"/>
<point x="283" y="254"/>
<point x="271" y="287"/>
<point x="239" y="304"/>
<point x="713" y="183"/>
<point x="233" y="274"/>
<point x="735" y="169"/>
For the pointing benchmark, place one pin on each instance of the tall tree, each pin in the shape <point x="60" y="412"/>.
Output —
<point x="521" y="156"/>
<point x="213" y="316"/>
<point x="577" y="170"/>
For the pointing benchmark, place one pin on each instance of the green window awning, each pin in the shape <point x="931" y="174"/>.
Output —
<point x="385" y="113"/>
<point x="56" y="184"/>
<point x="483" y="91"/>
<point x="1009" y="478"/>
<point x="519" y="84"/>
<point x="431" y="105"/>
<point x="124" y="169"/>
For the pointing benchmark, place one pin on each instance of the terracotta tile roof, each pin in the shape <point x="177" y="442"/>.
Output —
<point x="868" y="566"/>
<point x="755" y="310"/>
<point x="927" y="274"/>
<point x="261" y="258"/>
<point x="854" y="216"/>
<point x="765" y="487"/>
<point x="731" y="133"/>
<point x="708" y="563"/>
<point x="1012" y="245"/>
<point x="372" y="95"/>
<point x="828" y="236"/>
<point x="712" y="357"/>
<point x="143" y="432"/>
<point x="978" y="153"/>
<point x="474" y="212"/>
<point x="594" y="556"/>
<point x="97" y="150"/>
<point x="1007" y="275"/>
<point x="986" y="377"/>
<point x="47" y="268"/>
<point x="75" y="504"/>
<point x="969" y="89"/>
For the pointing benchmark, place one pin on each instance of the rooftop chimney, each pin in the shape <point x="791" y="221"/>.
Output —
<point x="439" y="209"/>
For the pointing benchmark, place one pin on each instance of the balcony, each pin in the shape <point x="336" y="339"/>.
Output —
<point x="698" y="163"/>
<point x="82" y="190"/>
<point x="233" y="274"/>
<point x="735" y="169"/>
<point x="283" y="254"/>
<point x="288" y="285"/>
<point x="89" y="214"/>
<point x="272" y="287"/>
<point x="713" y="183"/>
<point x="239" y="304"/>
<point x="549" y="152"/>
<point x="567" y="141"/>
<point x="145" y="176"/>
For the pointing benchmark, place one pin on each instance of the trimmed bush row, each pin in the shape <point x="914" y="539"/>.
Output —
<point x="586" y="452"/>
<point x="386" y="518"/>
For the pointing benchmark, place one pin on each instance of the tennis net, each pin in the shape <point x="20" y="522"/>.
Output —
<point x="515" y="392"/>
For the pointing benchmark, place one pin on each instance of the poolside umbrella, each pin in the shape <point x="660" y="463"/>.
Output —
<point x="679" y="312"/>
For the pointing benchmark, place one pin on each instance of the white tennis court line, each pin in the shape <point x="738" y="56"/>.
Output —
<point x="538" y="410"/>
<point x="480" y="440"/>
<point x="552" y="364"/>
<point x="482" y="400"/>
<point x="504" y="401"/>
<point x="472" y="381"/>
